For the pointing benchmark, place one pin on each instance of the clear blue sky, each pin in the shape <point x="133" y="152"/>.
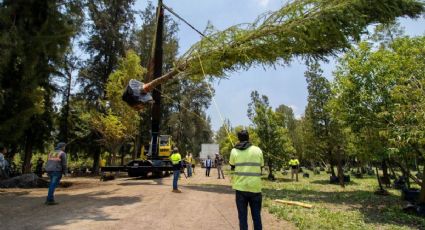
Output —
<point x="283" y="85"/>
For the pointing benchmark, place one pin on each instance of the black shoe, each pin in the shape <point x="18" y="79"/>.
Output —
<point x="51" y="203"/>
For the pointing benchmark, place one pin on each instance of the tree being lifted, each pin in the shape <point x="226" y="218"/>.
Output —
<point x="301" y="28"/>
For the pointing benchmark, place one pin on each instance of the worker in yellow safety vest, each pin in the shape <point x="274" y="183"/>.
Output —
<point x="246" y="162"/>
<point x="176" y="159"/>
<point x="295" y="165"/>
<point x="189" y="160"/>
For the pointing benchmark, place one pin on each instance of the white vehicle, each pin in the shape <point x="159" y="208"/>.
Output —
<point x="208" y="150"/>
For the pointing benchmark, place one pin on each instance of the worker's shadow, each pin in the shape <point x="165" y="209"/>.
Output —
<point x="214" y="188"/>
<point x="143" y="181"/>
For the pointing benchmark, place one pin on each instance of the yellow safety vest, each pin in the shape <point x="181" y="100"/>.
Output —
<point x="294" y="162"/>
<point x="189" y="160"/>
<point x="55" y="156"/>
<point x="247" y="174"/>
<point x="175" y="158"/>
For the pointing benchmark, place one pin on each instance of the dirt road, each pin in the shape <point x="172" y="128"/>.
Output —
<point x="127" y="203"/>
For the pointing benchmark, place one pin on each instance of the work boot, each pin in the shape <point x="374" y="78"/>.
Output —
<point x="177" y="191"/>
<point x="51" y="203"/>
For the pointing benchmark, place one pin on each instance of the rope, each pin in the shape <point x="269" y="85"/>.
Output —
<point x="215" y="102"/>
<point x="182" y="19"/>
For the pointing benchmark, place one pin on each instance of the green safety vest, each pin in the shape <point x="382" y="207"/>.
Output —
<point x="247" y="174"/>
<point x="175" y="158"/>
<point x="294" y="162"/>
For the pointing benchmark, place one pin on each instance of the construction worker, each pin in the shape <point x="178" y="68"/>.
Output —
<point x="294" y="164"/>
<point x="55" y="167"/>
<point x="208" y="165"/>
<point x="219" y="164"/>
<point x="246" y="162"/>
<point x="176" y="162"/>
<point x="189" y="161"/>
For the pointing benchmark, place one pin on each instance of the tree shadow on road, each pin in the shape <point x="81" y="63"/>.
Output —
<point x="326" y="182"/>
<point x="214" y="188"/>
<point x="30" y="212"/>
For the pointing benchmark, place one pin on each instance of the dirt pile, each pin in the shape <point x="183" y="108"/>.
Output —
<point x="24" y="181"/>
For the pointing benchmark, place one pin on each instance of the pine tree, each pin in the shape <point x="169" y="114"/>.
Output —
<point x="34" y="36"/>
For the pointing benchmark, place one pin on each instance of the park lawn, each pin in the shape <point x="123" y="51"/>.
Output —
<point x="353" y="207"/>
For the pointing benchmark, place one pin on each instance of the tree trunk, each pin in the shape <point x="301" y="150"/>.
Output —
<point x="138" y="142"/>
<point x="422" y="195"/>
<point x="341" y="175"/>
<point x="270" y="176"/>
<point x="385" y="170"/>
<point x="123" y="150"/>
<point x="392" y="170"/>
<point x="340" y="170"/>
<point x="379" y="180"/>
<point x="332" y="169"/>
<point x="407" y="171"/>
<point x="113" y="157"/>
<point x="26" y="166"/>
<point x="331" y="163"/>
<point x="96" y="158"/>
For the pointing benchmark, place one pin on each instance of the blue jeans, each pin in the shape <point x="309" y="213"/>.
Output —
<point x="55" y="178"/>
<point x="176" y="174"/>
<point x="207" y="171"/>
<point x="254" y="200"/>
<point x="189" y="170"/>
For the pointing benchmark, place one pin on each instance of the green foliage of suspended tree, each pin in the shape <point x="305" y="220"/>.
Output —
<point x="302" y="28"/>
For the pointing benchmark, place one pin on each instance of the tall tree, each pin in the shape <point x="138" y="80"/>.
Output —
<point x="381" y="98"/>
<point x="363" y="99"/>
<point x="108" y="32"/>
<point x="286" y="118"/>
<point x="328" y="134"/>
<point x="34" y="36"/>
<point x="319" y="94"/>
<point x="273" y="139"/>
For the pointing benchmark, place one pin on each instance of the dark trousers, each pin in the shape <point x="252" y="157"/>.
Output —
<point x="55" y="178"/>
<point x="254" y="200"/>
<point x="207" y="171"/>
<point x="176" y="175"/>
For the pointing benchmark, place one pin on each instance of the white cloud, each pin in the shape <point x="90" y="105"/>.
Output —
<point x="263" y="2"/>
<point x="297" y="113"/>
<point x="293" y="107"/>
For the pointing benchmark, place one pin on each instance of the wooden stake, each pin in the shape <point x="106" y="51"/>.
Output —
<point x="294" y="203"/>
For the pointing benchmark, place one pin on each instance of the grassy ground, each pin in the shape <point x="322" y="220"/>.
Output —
<point x="353" y="207"/>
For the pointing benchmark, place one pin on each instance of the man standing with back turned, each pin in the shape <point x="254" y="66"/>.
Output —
<point x="176" y="159"/>
<point x="55" y="167"/>
<point x="246" y="161"/>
